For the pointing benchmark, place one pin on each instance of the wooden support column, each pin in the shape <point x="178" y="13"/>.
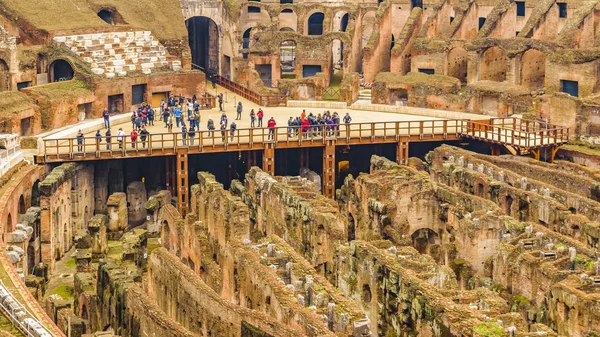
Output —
<point x="536" y="153"/>
<point x="402" y="151"/>
<point x="304" y="156"/>
<point x="269" y="158"/>
<point x="329" y="169"/>
<point x="170" y="180"/>
<point x="182" y="181"/>
<point x="250" y="159"/>
<point x="553" y="151"/>
<point x="495" y="149"/>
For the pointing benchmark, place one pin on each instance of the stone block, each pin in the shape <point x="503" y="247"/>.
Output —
<point x="117" y="211"/>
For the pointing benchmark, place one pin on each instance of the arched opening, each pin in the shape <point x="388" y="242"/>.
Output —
<point x="287" y="59"/>
<point x="392" y="43"/>
<point x="494" y="65"/>
<point x="4" y="76"/>
<point x="457" y="64"/>
<point x="107" y="16"/>
<point x="366" y="294"/>
<point x="61" y="70"/>
<point x="166" y="235"/>
<point x="286" y="29"/>
<point x="203" y="37"/>
<point x="533" y="69"/>
<point x="30" y="258"/>
<point x="22" y="206"/>
<point x="315" y="24"/>
<point x="479" y="191"/>
<point x="288" y="19"/>
<point x="84" y="312"/>
<point x="35" y="194"/>
<point x="508" y="201"/>
<point x="344" y="23"/>
<point x="246" y="39"/>
<point x="368" y="21"/>
<point x="9" y="223"/>
<point x="423" y="239"/>
<point x="351" y="228"/>
<point x="337" y="54"/>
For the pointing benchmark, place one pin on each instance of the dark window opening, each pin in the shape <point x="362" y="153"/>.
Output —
<point x="61" y="70"/>
<point x="137" y="93"/>
<point x="246" y="39"/>
<point x="284" y="2"/>
<point x="310" y="70"/>
<point x="287" y="10"/>
<point x="562" y="9"/>
<point x="517" y="34"/>
<point x="570" y="87"/>
<point x="26" y="126"/>
<point x="22" y="85"/>
<point x="344" y="23"/>
<point x="481" y="22"/>
<point x="427" y="71"/>
<point x="416" y="3"/>
<point x="315" y="24"/>
<point x="253" y="9"/>
<point x="451" y="19"/>
<point x="107" y="16"/>
<point x="520" y="8"/>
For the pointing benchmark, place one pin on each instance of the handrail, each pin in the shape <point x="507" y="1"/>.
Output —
<point x="253" y="96"/>
<point x="27" y="321"/>
<point x="250" y="138"/>
<point x="517" y="133"/>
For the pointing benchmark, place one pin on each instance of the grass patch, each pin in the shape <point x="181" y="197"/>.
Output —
<point x="6" y="325"/>
<point x="13" y="102"/>
<point x="66" y="292"/>
<point x="288" y="76"/>
<point x="71" y="263"/>
<point x="488" y="329"/>
<point x="63" y="89"/>
<point x="152" y="245"/>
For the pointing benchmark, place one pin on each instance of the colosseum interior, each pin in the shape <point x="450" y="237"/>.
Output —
<point x="451" y="188"/>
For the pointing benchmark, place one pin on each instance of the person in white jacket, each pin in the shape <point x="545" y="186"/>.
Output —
<point x="120" y="135"/>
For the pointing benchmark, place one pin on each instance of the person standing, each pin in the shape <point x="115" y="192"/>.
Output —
<point x="150" y="116"/>
<point x="177" y="113"/>
<point x="210" y="125"/>
<point x="220" y="96"/>
<point x="170" y="123"/>
<point x="239" y="112"/>
<point x="79" y="141"/>
<point x="224" y="119"/>
<point x="166" y="116"/>
<point x="232" y="130"/>
<point x="192" y="134"/>
<point x="98" y="140"/>
<point x="120" y="135"/>
<point x="184" y="134"/>
<point x="260" y="116"/>
<point x="213" y="80"/>
<point x="108" y="138"/>
<point x="133" y="135"/>
<point x="192" y="120"/>
<point x="336" y="123"/>
<point x="271" y="125"/>
<point x="223" y="130"/>
<point x="106" y="117"/>
<point x="143" y="134"/>
<point x="290" y="127"/>
<point x="252" y="118"/>
<point x="347" y="118"/>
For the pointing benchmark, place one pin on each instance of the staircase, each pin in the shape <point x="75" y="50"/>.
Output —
<point x="119" y="53"/>
<point x="364" y="96"/>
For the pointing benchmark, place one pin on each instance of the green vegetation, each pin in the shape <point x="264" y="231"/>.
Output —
<point x="6" y="325"/>
<point x="58" y="90"/>
<point x="488" y="329"/>
<point x="64" y="291"/>
<point x="12" y="102"/>
<point x="71" y="263"/>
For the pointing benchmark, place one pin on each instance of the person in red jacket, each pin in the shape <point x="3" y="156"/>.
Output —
<point x="305" y="127"/>
<point x="134" y="135"/>
<point x="260" y="115"/>
<point x="271" y="124"/>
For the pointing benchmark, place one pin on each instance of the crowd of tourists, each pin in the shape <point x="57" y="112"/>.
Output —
<point x="184" y="114"/>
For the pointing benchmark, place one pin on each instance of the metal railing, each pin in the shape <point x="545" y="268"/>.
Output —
<point x="5" y="153"/>
<point x="248" y="138"/>
<point x="19" y="316"/>
<point x="516" y="132"/>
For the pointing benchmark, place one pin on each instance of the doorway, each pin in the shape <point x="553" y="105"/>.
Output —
<point x="116" y="104"/>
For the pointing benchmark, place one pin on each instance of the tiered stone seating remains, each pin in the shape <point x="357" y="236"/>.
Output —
<point x="118" y="53"/>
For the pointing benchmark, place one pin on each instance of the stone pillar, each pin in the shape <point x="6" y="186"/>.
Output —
<point x="136" y="198"/>
<point x="153" y="206"/>
<point x="100" y="188"/>
<point x="97" y="229"/>
<point x="117" y="212"/>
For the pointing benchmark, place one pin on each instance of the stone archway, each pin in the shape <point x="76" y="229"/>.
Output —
<point x="533" y="69"/>
<point x="4" y="76"/>
<point x="368" y="22"/>
<point x="337" y="54"/>
<point x="22" y="207"/>
<point x="288" y="19"/>
<point x="493" y="65"/>
<point x="340" y="21"/>
<point x="61" y="70"/>
<point x="315" y="24"/>
<point x="203" y="38"/>
<point x="457" y="64"/>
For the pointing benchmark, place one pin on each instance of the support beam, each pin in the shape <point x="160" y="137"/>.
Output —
<point x="536" y="153"/>
<point x="250" y="159"/>
<point x="269" y="158"/>
<point x="553" y="151"/>
<point x="402" y="151"/>
<point x="304" y="157"/>
<point x="171" y="181"/>
<point x="495" y="149"/>
<point x="182" y="181"/>
<point x="329" y="169"/>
